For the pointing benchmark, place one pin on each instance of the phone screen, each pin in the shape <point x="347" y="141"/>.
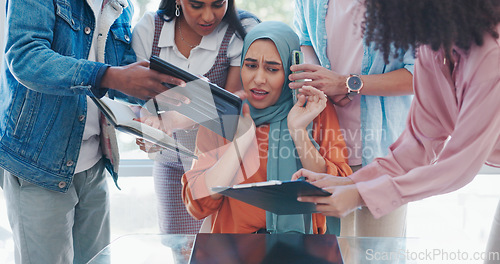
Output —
<point x="297" y="58"/>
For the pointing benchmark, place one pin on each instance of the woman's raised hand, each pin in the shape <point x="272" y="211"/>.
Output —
<point x="302" y="115"/>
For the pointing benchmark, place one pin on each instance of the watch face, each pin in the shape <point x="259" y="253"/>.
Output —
<point x="354" y="83"/>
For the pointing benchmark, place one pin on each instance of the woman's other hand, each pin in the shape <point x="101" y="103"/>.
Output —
<point x="167" y="122"/>
<point x="246" y="126"/>
<point x="242" y="94"/>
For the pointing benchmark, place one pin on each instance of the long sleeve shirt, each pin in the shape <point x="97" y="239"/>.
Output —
<point x="453" y="128"/>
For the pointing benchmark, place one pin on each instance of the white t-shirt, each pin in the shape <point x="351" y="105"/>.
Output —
<point x="90" y="151"/>
<point x="345" y="52"/>
<point x="201" y="58"/>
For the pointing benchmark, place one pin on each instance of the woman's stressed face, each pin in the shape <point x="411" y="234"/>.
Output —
<point x="262" y="74"/>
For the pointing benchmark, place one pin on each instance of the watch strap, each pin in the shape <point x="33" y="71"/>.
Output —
<point x="345" y="100"/>
<point x="351" y="95"/>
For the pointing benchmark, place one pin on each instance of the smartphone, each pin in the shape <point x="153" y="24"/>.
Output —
<point x="297" y="58"/>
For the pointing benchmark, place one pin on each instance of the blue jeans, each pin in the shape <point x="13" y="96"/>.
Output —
<point x="53" y="227"/>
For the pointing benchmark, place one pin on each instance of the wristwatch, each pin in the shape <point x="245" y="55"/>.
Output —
<point x="354" y="85"/>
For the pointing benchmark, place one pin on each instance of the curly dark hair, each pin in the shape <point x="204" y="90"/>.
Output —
<point x="167" y="9"/>
<point x="438" y="23"/>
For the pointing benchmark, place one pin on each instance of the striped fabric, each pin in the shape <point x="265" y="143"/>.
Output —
<point x="169" y="166"/>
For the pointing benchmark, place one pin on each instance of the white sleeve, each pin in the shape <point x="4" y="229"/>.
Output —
<point x="236" y="43"/>
<point x="142" y="36"/>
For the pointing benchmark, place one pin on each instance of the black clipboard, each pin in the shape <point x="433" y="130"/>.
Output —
<point x="211" y="106"/>
<point x="279" y="197"/>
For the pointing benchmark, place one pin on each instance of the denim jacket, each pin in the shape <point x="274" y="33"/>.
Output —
<point x="44" y="82"/>
<point x="382" y="117"/>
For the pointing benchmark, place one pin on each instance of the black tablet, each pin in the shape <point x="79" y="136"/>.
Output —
<point x="211" y="106"/>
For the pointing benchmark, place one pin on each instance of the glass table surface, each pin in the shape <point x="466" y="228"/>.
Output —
<point x="177" y="249"/>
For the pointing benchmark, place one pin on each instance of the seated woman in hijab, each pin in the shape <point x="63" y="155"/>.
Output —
<point x="275" y="137"/>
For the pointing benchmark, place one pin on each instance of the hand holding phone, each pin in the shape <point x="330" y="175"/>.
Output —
<point x="297" y="58"/>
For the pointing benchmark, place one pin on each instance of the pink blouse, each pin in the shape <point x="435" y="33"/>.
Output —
<point x="453" y="128"/>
